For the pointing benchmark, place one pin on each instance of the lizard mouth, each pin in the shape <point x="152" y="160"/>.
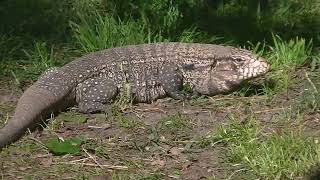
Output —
<point x="258" y="67"/>
<point x="254" y="69"/>
<point x="263" y="66"/>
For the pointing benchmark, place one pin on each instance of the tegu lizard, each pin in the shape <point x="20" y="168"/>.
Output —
<point x="151" y="71"/>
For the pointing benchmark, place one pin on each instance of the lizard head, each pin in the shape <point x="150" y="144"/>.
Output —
<point x="235" y="67"/>
<point x="242" y="65"/>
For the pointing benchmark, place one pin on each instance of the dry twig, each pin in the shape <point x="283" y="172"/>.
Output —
<point x="91" y="157"/>
<point x="95" y="165"/>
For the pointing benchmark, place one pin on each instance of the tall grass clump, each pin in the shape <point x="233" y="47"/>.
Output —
<point x="284" y="57"/>
<point x="37" y="60"/>
<point x="96" y="32"/>
<point x="289" y="54"/>
<point x="41" y="56"/>
<point x="165" y="19"/>
<point x="286" y="154"/>
<point x="117" y="23"/>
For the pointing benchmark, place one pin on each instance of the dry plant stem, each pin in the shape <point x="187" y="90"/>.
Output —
<point x="312" y="84"/>
<point x="91" y="157"/>
<point x="39" y="142"/>
<point x="95" y="165"/>
<point x="269" y="110"/>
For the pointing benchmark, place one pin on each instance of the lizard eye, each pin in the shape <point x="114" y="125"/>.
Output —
<point x="238" y="61"/>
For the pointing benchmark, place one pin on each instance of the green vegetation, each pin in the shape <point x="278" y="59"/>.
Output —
<point x="92" y="25"/>
<point x="272" y="129"/>
<point x="285" y="57"/>
<point x="66" y="146"/>
<point x="95" y="32"/>
<point x="177" y="126"/>
<point x="284" y="154"/>
<point x="291" y="54"/>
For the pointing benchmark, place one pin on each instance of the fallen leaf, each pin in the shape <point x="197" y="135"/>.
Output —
<point x="68" y="146"/>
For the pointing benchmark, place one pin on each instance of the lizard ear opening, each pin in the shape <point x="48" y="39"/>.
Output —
<point x="214" y="64"/>
<point x="188" y="66"/>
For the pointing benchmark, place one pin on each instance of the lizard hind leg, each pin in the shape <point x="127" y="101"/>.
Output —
<point x="171" y="81"/>
<point x="93" y="94"/>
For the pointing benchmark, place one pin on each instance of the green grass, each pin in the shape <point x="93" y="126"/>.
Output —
<point x="285" y="153"/>
<point x="285" y="57"/>
<point x="122" y="120"/>
<point x="96" y="32"/>
<point x="24" y="59"/>
<point x="176" y="127"/>
<point x="309" y="101"/>
<point x="10" y="47"/>
<point x="289" y="54"/>
<point x="34" y="61"/>
<point x="41" y="58"/>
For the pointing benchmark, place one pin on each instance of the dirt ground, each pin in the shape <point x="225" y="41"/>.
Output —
<point x="147" y="141"/>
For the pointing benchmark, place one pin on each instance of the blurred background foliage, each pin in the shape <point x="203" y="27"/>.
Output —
<point x="90" y="25"/>
<point x="237" y="20"/>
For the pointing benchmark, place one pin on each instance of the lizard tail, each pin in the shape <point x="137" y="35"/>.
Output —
<point x="34" y="104"/>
